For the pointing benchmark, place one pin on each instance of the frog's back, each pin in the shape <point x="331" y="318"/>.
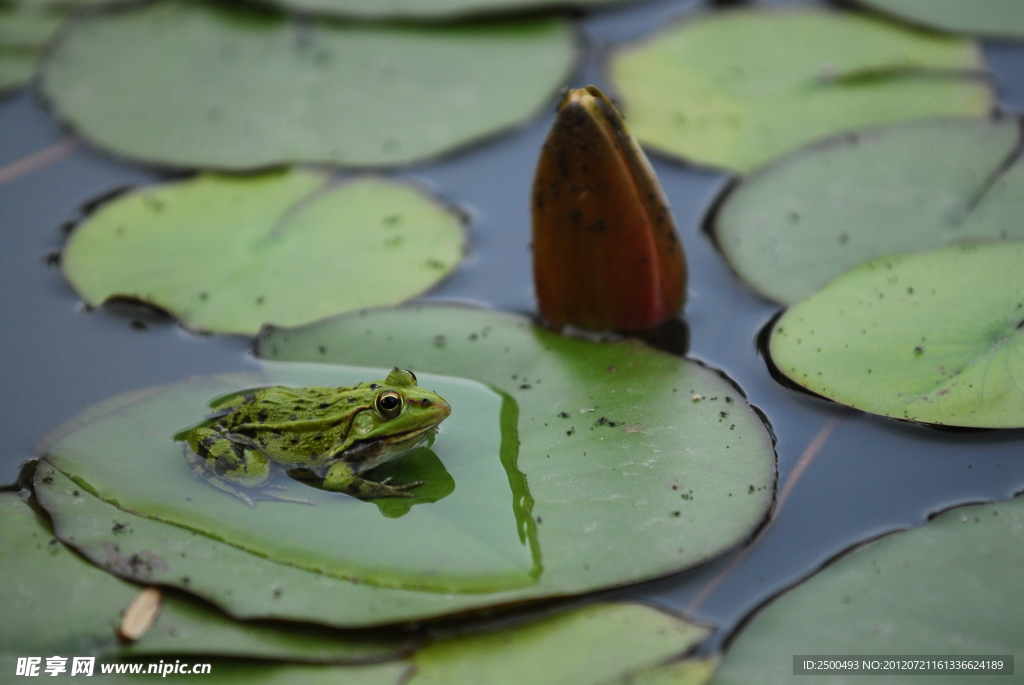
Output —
<point x="231" y="403"/>
<point x="291" y="409"/>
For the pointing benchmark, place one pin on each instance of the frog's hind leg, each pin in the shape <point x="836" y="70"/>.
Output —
<point x="227" y="464"/>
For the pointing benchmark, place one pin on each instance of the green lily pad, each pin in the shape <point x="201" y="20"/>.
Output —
<point x="230" y="253"/>
<point x="55" y="602"/>
<point x="986" y="17"/>
<point x="469" y="541"/>
<point x="797" y="223"/>
<point x="736" y="89"/>
<point x="947" y="588"/>
<point x="252" y="89"/>
<point x="935" y="337"/>
<point x="599" y="643"/>
<point x="636" y="489"/>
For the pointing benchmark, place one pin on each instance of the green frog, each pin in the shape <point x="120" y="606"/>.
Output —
<point x="322" y="434"/>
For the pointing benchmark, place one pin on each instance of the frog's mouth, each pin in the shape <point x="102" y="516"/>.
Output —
<point x="368" y="454"/>
<point x="406" y="441"/>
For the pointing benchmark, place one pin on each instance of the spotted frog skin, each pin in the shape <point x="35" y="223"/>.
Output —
<point x="327" y="435"/>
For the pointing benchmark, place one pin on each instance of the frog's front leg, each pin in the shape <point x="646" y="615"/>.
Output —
<point x="340" y="478"/>
<point x="226" y="463"/>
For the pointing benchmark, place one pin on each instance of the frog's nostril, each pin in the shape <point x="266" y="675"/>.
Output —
<point x="425" y="402"/>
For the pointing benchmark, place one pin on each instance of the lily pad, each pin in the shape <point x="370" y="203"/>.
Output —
<point x="797" y="223"/>
<point x="935" y="337"/>
<point x="55" y="602"/>
<point x="736" y="89"/>
<point x="947" y="588"/>
<point x="598" y="643"/>
<point x="677" y="476"/>
<point x="252" y="89"/>
<point x="230" y="253"/>
<point x="1003" y="18"/>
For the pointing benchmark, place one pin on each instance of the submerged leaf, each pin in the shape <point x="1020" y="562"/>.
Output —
<point x="797" y="223"/>
<point x="1003" y="18"/>
<point x="605" y="251"/>
<point x="251" y="89"/>
<point x="735" y="89"/>
<point x="935" y="337"/>
<point x="231" y="253"/>
<point x="946" y="589"/>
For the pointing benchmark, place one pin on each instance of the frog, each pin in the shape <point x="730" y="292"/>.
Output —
<point x="327" y="435"/>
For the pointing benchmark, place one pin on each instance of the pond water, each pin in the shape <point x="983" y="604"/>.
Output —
<point x="868" y="476"/>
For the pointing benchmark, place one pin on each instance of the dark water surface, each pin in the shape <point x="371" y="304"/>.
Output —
<point x="872" y="475"/>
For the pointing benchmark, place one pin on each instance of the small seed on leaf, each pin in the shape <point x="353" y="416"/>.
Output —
<point x="140" y="615"/>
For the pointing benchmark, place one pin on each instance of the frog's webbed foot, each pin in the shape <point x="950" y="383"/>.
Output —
<point x="341" y="479"/>
<point x="398" y="488"/>
<point x="371" y="490"/>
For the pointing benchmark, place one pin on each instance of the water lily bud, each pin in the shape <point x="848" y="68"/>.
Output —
<point x="605" y="251"/>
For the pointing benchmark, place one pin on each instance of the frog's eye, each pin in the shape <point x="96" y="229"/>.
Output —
<point x="389" y="404"/>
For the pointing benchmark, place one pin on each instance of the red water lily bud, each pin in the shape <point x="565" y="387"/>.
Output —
<point x="605" y="251"/>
